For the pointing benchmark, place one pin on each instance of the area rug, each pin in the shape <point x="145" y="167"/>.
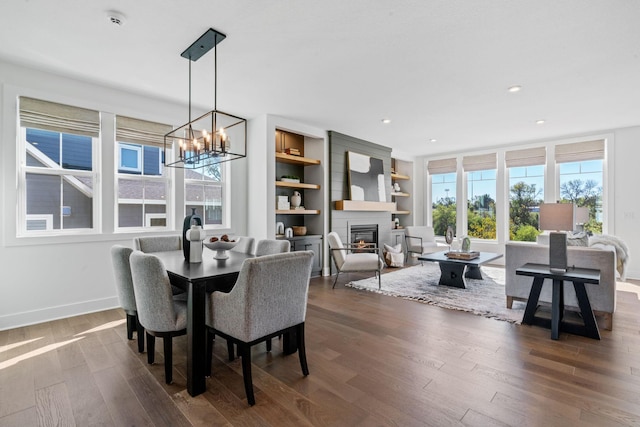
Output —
<point x="420" y="283"/>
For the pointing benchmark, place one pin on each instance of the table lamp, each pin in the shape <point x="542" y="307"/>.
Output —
<point x="558" y="217"/>
<point x="581" y="217"/>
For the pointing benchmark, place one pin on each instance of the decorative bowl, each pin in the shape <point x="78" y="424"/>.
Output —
<point x="221" y="247"/>
<point x="299" y="230"/>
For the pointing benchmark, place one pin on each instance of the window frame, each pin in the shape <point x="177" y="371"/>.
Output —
<point x="23" y="169"/>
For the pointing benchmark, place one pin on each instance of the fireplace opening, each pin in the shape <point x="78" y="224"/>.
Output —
<point x="364" y="235"/>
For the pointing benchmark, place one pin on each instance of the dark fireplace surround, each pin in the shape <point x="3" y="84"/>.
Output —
<point x="363" y="234"/>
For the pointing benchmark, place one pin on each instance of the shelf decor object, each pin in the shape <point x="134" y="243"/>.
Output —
<point x="215" y="137"/>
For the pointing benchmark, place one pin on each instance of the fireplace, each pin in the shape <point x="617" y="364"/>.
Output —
<point x="365" y="235"/>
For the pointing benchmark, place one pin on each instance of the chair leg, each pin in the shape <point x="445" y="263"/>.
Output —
<point x="302" y="353"/>
<point x="230" y="350"/>
<point x="130" y="320"/>
<point x="140" y="333"/>
<point x="168" y="358"/>
<point x="245" y="353"/>
<point x="334" y="282"/>
<point x="269" y="345"/>
<point x="210" y="337"/>
<point x="379" y="279"/>
<point x="151" y="348"/>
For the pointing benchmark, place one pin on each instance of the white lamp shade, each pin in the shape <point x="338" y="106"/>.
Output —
<point x="556" y="216"/>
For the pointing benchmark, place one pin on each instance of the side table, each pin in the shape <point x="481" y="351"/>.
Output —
<point x="578" y="276"/>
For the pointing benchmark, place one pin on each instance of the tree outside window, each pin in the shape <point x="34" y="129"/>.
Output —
<point x="481" y="204"/>
<point x="526" y="188"/>
<point x="443" y="196"/>
<point x="581" y="184"/>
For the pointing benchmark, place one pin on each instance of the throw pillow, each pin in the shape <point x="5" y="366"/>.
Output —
<point x="393" y="255"/>
<point x="578" y="239"/>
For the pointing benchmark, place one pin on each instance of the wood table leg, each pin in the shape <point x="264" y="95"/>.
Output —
<point x="196" y="339"/>
<point x="590" y="324"/>
<point x="452" y="274"/>
<point x="532" y="302"/>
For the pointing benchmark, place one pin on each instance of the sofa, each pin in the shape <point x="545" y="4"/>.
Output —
<point x="602" y="297"/>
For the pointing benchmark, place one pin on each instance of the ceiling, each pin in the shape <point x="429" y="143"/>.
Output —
<point x="437" y="69"/>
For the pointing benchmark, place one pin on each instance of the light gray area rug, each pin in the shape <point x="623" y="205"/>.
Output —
<point x="420" y="283"/>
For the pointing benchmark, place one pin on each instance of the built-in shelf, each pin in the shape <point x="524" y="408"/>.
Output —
<point x="298" y="212"/>
<point x="401" y="212"/>
<point x="399" y="176"/>
<point x="297" y="185"/>
<point x="296" y="160"/>
<point x="399" y="194"/>
<point x="362" y="205"/>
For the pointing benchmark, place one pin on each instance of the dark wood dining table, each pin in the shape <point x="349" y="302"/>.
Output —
<point x="199" y="279"/>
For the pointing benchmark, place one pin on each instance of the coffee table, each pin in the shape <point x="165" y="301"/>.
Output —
<point x="454" y="271"/>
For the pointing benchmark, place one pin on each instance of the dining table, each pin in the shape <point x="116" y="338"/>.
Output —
<point x="198" y="280"/>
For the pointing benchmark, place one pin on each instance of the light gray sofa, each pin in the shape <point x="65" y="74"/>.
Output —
<point x="602" y="297"/>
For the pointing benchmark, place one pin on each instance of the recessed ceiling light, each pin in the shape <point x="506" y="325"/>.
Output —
<point x="386" y="121"/>
<point x="514" y="89"/>
<point x="432" y="140"/>
<point x="116" y="18"/>
<point x="539" y="122"/>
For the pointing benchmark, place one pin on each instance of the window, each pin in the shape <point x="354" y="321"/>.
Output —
<point x="57" y="172"/>
<point x="580" y="169"/>
<point x="526" y="191"/>
<point x="443" y="194"/>
<point x="205" y="191"/>
<point x="481" y="195"/>
<point x="142" y="186"/>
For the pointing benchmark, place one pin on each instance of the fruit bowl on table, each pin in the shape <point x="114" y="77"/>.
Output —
<point x="221" y="247"/>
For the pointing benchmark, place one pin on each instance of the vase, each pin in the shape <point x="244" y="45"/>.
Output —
<point x="194" y="219"/>
<point x="296" y="200"/>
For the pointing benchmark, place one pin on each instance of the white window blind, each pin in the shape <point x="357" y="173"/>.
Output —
<point x="480" y="162"/>
<point x="35" y="113"/>
<point x="527" y="157"/>
<point x="442" y="166"/>
<point x="143" y="132"/>
<point x="580" y="151"/>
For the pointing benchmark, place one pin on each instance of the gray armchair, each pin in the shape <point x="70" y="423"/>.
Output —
<point x="124" y="287"/>
<point x="270" y="247"/>
<point x="244" y="245"/>
<point x="352" y="258"/>
<point x="150" y="244"/>
<point x="158" y="312"/>
<point x="268" y="299"/>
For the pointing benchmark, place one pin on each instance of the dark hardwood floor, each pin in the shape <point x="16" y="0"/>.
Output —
<point x="374" y="360"/>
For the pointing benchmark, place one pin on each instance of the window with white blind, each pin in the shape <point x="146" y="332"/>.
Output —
<point x="58" y="171"/>
<point x="580" y="177"/>
<point x="526" y="170"/>
<point x="480" y="172"/>
<point x="142" y="185"/>
<point x="443" y="194"/>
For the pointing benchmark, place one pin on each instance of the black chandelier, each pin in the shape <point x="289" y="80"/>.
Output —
<point x="214" y="137"/>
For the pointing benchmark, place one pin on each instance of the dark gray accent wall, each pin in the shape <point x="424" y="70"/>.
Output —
<point x="341" y="221"/>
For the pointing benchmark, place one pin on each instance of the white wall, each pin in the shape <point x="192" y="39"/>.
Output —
<point x="56" y="277"/>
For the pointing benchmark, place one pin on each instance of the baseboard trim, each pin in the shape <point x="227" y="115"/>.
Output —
<point x="26" y="318"/>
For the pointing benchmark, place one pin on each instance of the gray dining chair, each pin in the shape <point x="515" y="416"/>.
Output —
<point x="150" y="244"/>
<point x="158" y="311"/>
<point x="124" y="288"/>
<point x="270" y="247"/>
<point x="268" y="299"/>
<point x="245" y="244"/>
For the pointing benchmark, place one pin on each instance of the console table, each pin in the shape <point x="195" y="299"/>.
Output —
<point x="578" y="276"/>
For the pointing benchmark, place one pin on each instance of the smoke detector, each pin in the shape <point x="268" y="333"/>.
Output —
<point x="116" y="18"/>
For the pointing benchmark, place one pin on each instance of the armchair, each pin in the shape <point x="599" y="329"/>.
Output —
<point x="268" y="299"/>
<point x="420" y="239"/>
<point x="346" y="260"/>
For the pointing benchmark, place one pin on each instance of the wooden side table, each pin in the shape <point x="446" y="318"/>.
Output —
<point x="579" y="276"/>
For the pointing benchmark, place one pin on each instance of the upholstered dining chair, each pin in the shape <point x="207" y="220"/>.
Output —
<point x="268" y="299"/>
<point x="245" y="244"/>
<point x="352" y="258"/>
<point x="124" y="287"/>
<point x="150" y="244"/>
<point x="158" y="311"/>
<point x="270" y="247"/>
